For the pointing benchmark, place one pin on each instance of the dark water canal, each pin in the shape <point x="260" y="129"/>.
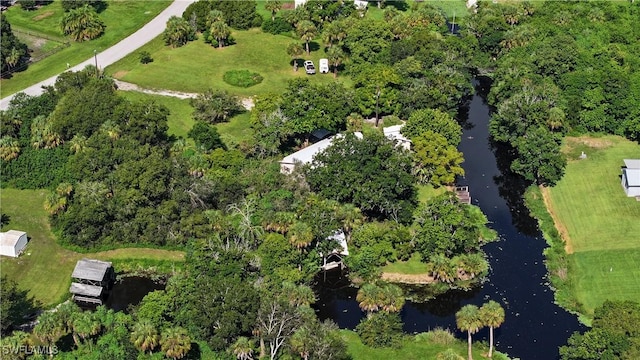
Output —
<point x="129" y="291"/>
<point x="534" y="326"/>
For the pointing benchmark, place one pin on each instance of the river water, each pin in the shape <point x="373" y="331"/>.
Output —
<point x="534" y="326"/>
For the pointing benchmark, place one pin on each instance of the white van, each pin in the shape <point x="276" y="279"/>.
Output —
<point x="324" y="66"/>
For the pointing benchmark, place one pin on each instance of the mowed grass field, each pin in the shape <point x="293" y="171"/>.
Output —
<point x="198" y="66"/>
<point x="600" y="224"/>
<point x="44" y="269"/>
<point x="122" y="18"/>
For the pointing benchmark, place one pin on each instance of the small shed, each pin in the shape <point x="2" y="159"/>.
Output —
<point x="92" y="280"/>
<point x="12" y="242"/>
<point x="631" y="177"/>
<point x="393" y="133"/>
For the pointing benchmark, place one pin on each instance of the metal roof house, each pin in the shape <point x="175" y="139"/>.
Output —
<point x="631" y="177"/>
<point x="92" y="280"/>
<point x="12" y="243"/>
<point x="306" y="155"/>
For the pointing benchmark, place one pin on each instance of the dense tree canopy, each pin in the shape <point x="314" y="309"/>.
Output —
<point x="13" y="53"/>
<point x="371" y="173"/>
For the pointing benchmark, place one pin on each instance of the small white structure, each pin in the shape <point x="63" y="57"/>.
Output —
<point x="334" y="259"/>
<point x="12" y="242"/>
<point x="307" y="154"/>
<point x="393" y="133"/>
<point x="324" y="66"/>
<point x="360" y="4"/>
<point x="299" y="2"/>
<point x="631" y="177"/>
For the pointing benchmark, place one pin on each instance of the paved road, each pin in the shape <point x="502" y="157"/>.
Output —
<point x="130" y="44"/>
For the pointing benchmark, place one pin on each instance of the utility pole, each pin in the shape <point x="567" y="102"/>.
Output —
<point x="95" y="57"/>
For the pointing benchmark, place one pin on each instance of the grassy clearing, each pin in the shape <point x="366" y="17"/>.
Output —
<point x="413" y="266"/>
<point x="180" y="118"/>
<point x="254" y="51"/>
<point x="426" y="192"/>
<point x="122" y="18"/>
<point x="412" y="349"/>
<point x="45" y="267"/>
<point x="237" y="130"/>
<point x="598" y="222"/>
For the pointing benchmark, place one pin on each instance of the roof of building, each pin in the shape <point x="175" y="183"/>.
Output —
<point x="393" y="133"/>
<point x="90" y="269"/>
<point x="11" y="237"/>
<point x="307" y="154"/>
<point x="633" y="177"/>
<point x="85" y="289"/>
<point x="632" y="163"/>
<point x="342" y="241"/>
<point x="320" y="134"/>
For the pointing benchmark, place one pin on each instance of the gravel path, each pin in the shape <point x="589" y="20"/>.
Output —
<point x="130" y="44"/>
<point x="247" y="103"/>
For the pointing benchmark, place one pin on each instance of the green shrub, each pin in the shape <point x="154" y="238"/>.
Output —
<point x="381" y="330"/>
<point x="145" y="57"/>
<point x="277" y="26"/>
<point x="242" y="78"/>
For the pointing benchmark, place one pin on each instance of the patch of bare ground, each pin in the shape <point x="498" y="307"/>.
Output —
<point x="44" y="15"/>
<point x="594" y="143"/>
<point x="562" y="230"/>
<point x="408" y="278"/>
<point x="120" y="74"/>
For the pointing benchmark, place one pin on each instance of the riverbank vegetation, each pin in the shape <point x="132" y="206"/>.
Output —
<point x="121" y="19"/>
<point x="592" y="254"/>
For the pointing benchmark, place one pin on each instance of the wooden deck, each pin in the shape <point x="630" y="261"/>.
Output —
<point x="462" y="192"/>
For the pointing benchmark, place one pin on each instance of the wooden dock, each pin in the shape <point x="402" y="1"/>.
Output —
<point x="462" y="192"/>
<point x="92" y="280"/>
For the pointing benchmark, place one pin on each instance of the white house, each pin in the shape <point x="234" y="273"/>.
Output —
<point x="631" y="177"/>
<point x="12" y="242"/>
<point x="393" y="133"/>
<point x="307" y="154"/>
<point x="360" y="4"/>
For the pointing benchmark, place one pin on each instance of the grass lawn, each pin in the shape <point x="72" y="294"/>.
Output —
<point x="598" y="222"/>
<point x="412" y="266"/>
<point x="236" y="130"/>
<point x="45" y="267"/>
<point x="198" y="66"/>
<point x="411" y="349"/>
<point x="180" y="120"/>
<point x="122" y="18"/>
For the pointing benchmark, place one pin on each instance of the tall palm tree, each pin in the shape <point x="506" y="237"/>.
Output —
<point x="307" y="31"/>
<point x="220" y="31"/>
<point x="145" y="336"/>
<point x="300" y="342"/>
<point x="468" y="319"/>
<point x="82" y="24"/>
<point x="215" y="15"/>
<point x="273" y="6"/>
<point x="336" y="56"/>
<point x="300" y="235"/>
<point x="472" y="264"/>
<point x="175" y="342"/>
<point x="294" y="50"/>
<point x="9" y="148"/>
<point x="491" y="315"/>
<point x="442" y="268"/>
<point x="243" y="348"/>
<point x="78" y="143"/>
<point x="49" y="329"/>
<point x="368" y="298"/>
<point x="298" y="295"/>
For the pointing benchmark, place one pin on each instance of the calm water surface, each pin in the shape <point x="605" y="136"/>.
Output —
<point x="534" y="326"/>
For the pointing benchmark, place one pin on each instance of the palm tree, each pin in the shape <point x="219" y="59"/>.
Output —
<point x="243" y="348"/>
<point x="145" y="336"/>
<point x="442" y="268"/>
<point x="334" y="32"/>
<point x="491" y="315"/>
<point x="178" y="32"/>
<point x="82" y="24"/>
<point x="300" y="235"/>
<point x="55" y="203"/>
<point x="78" y="143"/>
<point x="17" y="341"/>
<point x="220" y="31"/>
<point x="307" y="31"/>
<point x="468" y="319"/>
<point x="111" y="129"/>
<point x="175" y="342"/>
<point x="335" y="56"/>
<point x="273" y="6"/>
<point x="14" y="57"/>
<point x="49" y="329"/>
<point x="369" y="298"/>
<point x="9" y="148"/>
<point x="472" y="264"/>
<point x="298" y="295"/>
<point x="294" y="50"/>
<point x="215" y="15"/>
<point x="391" y="298"/>
<point x="350" y="217"/>
<point x="85" y="324"/>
